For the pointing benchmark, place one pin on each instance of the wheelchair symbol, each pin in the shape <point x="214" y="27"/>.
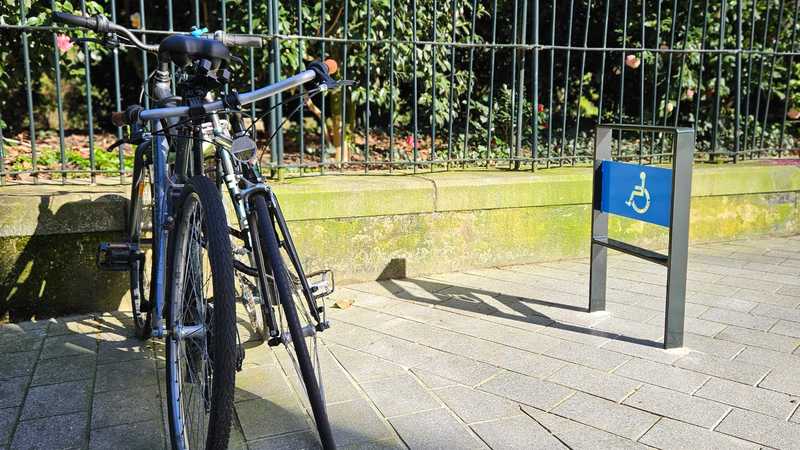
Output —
<point x="640" y="191"/>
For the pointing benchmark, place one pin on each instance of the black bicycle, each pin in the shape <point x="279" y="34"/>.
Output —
<point x="187" y="266"/>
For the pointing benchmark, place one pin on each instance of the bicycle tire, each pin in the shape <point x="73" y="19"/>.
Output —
<point x="139" y="282"/>
<point x="273" y="259"/>
<point x="218" y="342"/>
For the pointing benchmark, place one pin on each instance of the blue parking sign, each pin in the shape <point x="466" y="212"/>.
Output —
<point x="635" y="191"/>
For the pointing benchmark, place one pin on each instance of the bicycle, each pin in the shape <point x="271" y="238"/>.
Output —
<point x="195" y="147"/>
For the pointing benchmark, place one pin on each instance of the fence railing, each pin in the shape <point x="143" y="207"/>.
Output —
<point x="440" y="83"/>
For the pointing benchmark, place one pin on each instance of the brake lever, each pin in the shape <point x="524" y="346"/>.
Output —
<point x="116" y="144"/>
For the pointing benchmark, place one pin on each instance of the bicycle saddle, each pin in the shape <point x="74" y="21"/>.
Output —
<point x="182" y="49"/>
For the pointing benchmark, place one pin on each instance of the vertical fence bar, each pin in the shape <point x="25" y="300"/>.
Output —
<point x="323" y="130"/>
<point x="680" y="71"/>
<point x="535" y="85"/>
<point x="452" y="84"/>
<point x="171" y="25"/>
<point x="88" y="74"/>
<point x="29" y="94"/>
<point x="641" y="81"/>
<point x="521" y="92"/>
<point x="551" y="84"/>
<point x="392" y="44"/>
<point x="580" y="82"/>
<point x="367" y="86"/>
<point x="762" y="57"/>
<point x="414" y="69"/>
<point x="2" y="153"/>
<point x="343" y="117"/>
<point x="59" y="104"/>
<point x="622" y="74"/>
<point x="718" y="82"/>
<point x="434" y="51"/>
<point x="117" y="97"/>
<point x="300" y="53"/>
<point x="790" y="67"/>
<point x="145" y="70"/>
<point x="563" y="146"/>
<point x="778" y="26"/>
<point x="603" y="62"/>
<point x="515" y="93"/>
<point x="277" y="101"/>
<point x="471" y="77"/>
<point x="699" y="93"/>
<point x="656" y="57"/>
<point x="493" y="52"/>
<point x="749" y="75"/>
<point x="738" y="82"/>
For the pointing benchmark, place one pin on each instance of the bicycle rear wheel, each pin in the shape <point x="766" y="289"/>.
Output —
<point x="293" y="317"/>
<point x="201" y="356"/>
<point x="140" y="216"/>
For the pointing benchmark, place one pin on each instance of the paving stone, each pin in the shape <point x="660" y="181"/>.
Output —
<point x="475" y="406"/>
<point x="576" y="334"/>
<point x="762" y="429"/>
<point x="640" y="350"/>
<point x="57" y="432"/>
<point x="126" y="350"/>
<point x="699" y="326"/>
<point x="759" y="339"/>
<point x="526" y="390"/>
<point x="586" y="355"/>
<point x="125" y="374"/>
<point x="435" y="429"/>
<point x="768" y="358"/>
<point x="128" y="406"/>
<point x="504" y="356"/>
<point x="674" y="378"/>
<point x="270" y="417"/>
<point x="400" y="351"/>
<point x="720" y="301"/>
<point x="69" y="345"/>
<point x="769" y="297"/>
<point x="12" y="391"/>
<point x="588" y="438"/>
<point x="670" y="434"/>
<point x="24" y="343"/>
<point x="716" y="347"/>
<point x="385" y="444"/>
<point x="55" y="399"/>
<point x="147" y="435"/>
<point x="665" y="402"/>
<point x="777" y="312"/>
<point x="459" y="368"/>
<point x="738" y="319"/>
<point x="782" y="380"/>
<point x="337" y="384"/>
<point x="8" y="417"/>
<point x="69" y="368"/>
<point x="260" y="382"/>
<point x="608" y="416"/>
<point x="723" y="368"/>
<point x="363" y="428"/>
<point x="430" y="380"/>
<point x="631" y="329"/>
<point x="365" y="367"/>
<point x="595" y="382"/>
<point x="519" y="432"/>
<point x="399" y="395"/>
<point x="304" y="440"/>
<point x="786" y="328"/>
<point x="350" y="336"/>
<point x="747" y="397"/>
<point x="17" y="364"/>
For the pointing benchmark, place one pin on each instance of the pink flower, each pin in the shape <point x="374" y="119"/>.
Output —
<point x="690" y="93"/>
<point x="540" y="107"/>
<point x="63" y="43"/>
<point x="632" y="61"/>
<point x="793" y="114"/>
<point x="410" y="140"/>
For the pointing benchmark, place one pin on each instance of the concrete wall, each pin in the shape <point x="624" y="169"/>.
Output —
<point x="368" y="227"/>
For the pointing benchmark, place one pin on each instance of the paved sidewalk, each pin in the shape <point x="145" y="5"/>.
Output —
<point x="500" y="358"/>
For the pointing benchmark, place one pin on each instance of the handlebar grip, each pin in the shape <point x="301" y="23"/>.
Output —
<point x="81" y="21"/>
<point x="242" y="40"/>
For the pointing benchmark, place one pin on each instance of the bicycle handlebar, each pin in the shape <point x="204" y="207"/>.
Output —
<point x="80" y="21"/>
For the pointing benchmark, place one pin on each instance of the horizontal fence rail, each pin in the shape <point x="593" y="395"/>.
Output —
<point x="440" y="84"/>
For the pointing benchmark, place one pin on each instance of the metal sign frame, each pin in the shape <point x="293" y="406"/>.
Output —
<point x="676" y="260"/>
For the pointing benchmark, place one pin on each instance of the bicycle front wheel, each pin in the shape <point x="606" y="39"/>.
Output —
<point x="201" y="346"/>
<point x="294" y="317"/>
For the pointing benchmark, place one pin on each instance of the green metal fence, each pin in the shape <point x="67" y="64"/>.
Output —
<point x="440" y="83"/>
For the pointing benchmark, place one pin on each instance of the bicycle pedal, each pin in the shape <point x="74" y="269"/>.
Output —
<point x="321" y="283"/>
<point x="117" y="257"/>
